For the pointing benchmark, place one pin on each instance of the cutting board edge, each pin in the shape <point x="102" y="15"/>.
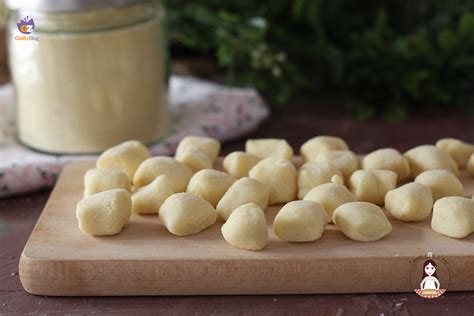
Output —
<point x="135" y="277"/>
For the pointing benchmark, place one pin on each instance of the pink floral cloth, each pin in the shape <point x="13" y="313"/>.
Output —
<point x="197" y="108"/>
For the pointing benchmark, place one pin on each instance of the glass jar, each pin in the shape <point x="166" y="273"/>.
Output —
<point x="90" y="74"/>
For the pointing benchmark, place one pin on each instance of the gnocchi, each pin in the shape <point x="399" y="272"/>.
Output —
<point x="185" y="214"/>
<point x="104" y="213"/>
<point x="337" y="179"/>
<point x="195" y="159"/>
<point x="125" y="157"/>
<point x="387" y="159"/>
<point x="269" y="147"/>
<point x="470" y="165"/>
<point x="148" y="199"/>
<point x="442" y="183"/>
<point x="362" y="221"/>
<point x="243" y="191"/>
<point x="207" y="145"/>
<point x="458" y="150"/>
<point x="238" y="163"/>
<point x="372" y="185"/>
<point x="300" y="221"/>
<point x="343" y="160"/>
<point x="246" y="228"/>
<point x="428" y="157"/>
<point x="210" y="185"/>
<point x="280" y="175"/>
<point x="330" y="196"/>
<point x="453" y="217"/>
<point x="178" y="174"/>
<point x="312" y="174"/>
<point x="315" y="145"/>
<point x="410" y="202"/>
<point x="98" y="180"/>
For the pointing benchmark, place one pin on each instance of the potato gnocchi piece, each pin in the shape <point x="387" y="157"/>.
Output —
<point x="195" y="159"/>
<point x="330" y="196"/>
<point x="148" y="199"/>
<point x="362" y="221"/>
<point x="429" y="157"/>
<point x="104" y="213"/>
<point x="125" y="157"/>
<point x="343" y="160"/>
<point x="470" y="165"/>
<point x="208" y="145"/>
<point x="312" y="174"/>
<point x="185" y="214"/>
<point x="246" y="228"/>
<point x="337" y="179"/>
<point x="442" y="183"/>
<point x="98" y="180"/>
<point x="178" y="174"/>
<point x="280" y="175"/>
<point x="300" y="221"/>
<point x="372" y="185"/>
<point x="210" y="185"/>
<point x="315" y="145"/>
<point x="410" y="202"/>
<point x="239" y="163"/>
<point x="453" y="217"/>
<point x="269" y="147"/>
<point x="458" y="150"/>
<point x="388" y="159"/>
<point x="243" y="191"/>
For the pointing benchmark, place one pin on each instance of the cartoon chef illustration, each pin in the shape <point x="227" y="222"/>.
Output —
<point x="430" y="285"/>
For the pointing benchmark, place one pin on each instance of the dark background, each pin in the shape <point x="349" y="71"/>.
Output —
<point x="386" y="59"/>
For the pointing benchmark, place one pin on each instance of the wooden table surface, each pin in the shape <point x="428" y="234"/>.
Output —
<point x="296" y="122"/>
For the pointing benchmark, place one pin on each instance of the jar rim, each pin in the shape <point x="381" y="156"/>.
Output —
<point x="63" y="6"/>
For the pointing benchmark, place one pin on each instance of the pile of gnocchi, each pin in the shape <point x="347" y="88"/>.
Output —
<point x="333" y="185"/>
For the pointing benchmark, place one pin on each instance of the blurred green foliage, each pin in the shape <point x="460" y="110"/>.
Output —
<point x="385" y="58"/>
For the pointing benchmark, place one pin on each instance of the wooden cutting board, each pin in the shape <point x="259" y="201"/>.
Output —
<point x="144" y="259"/>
